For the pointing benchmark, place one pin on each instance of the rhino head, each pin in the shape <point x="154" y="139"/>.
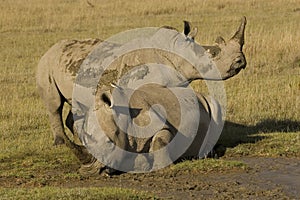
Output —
<point x="227" y="56"/>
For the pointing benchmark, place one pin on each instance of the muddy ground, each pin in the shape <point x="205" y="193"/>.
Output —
<point x="264" y="178"/>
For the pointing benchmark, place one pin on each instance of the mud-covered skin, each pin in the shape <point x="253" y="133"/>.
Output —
<point x="71" y="59"/>
<point x="56" y="74"/>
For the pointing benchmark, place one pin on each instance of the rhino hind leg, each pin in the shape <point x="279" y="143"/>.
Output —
<point x="159" y="141"/>
<point x="56" y="127"/>
<point x="54" y="103"/>
<point x="56" y="123"/>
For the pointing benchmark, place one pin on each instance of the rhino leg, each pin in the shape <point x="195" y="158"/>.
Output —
<point x="160" y="140"/>
<point x="89" y="165"/>
<point x="77" y="147"/>
<point x="53" y="101"/>
<point x="57" y="126"/>
<point x="92" y="168"/>
<point x="54" y="104"/>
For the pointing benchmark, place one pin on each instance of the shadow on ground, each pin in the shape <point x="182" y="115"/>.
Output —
<point x="234" y="134"/>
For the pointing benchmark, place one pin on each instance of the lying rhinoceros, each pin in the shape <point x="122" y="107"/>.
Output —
<point x="163" y="124"/>
<point x="58" y="69"/>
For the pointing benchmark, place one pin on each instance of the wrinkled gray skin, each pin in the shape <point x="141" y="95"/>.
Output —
<point x="58" y="68"/>
<point x="179" y="117"/>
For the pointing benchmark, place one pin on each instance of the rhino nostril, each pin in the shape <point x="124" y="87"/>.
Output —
<point x="238" y="70"/>
<point x="240" y="63"/>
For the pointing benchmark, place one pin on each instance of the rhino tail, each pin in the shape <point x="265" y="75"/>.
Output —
<point x="214" y="129"/>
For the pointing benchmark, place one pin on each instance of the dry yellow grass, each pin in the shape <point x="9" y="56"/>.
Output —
<point x="268" y="89"/>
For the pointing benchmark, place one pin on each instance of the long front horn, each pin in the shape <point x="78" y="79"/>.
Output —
<point x="239" y="35"/>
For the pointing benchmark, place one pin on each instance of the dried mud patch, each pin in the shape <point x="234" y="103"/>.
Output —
<point x="264" y="178"/>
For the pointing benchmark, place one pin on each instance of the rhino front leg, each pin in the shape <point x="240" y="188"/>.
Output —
<point x="161" y="154"/>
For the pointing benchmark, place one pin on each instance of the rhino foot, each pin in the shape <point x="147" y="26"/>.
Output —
<point x="217" y="152"/>
<point x="91" y="169"/>
<point x="107" y="171"/>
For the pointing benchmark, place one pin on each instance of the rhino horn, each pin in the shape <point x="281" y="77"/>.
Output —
<point x="239" y="35"/>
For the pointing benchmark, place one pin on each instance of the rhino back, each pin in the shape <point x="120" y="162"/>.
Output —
<point x="60" y="64"/>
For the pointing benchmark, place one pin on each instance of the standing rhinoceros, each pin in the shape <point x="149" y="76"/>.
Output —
<point x="58" y="69"/>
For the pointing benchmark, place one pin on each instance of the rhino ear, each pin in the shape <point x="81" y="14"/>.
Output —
<point x="193" y="33"/>
<point x="220" y="41"/>
<point x="187" y="28"/>
<point x="107" y="99"/>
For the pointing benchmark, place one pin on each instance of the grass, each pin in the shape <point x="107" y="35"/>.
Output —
<point x="72" y="193"/>
<point x="262" y="101"/>
<point x="207" y="166"/>
<point x="269" y="145"/>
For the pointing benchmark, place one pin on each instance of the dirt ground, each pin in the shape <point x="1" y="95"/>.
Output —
<point x="265" y="178"/>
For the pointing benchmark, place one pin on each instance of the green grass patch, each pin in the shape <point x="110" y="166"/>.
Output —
<point x="273" y="145"/>
<point x="72" y="193"/>
<point x="208" y="165"/>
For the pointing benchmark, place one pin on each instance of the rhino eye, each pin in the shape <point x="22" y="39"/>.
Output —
<point x="213" y="50"/>
<point x="106" y="99"/>
<point x="213" y="54"/>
